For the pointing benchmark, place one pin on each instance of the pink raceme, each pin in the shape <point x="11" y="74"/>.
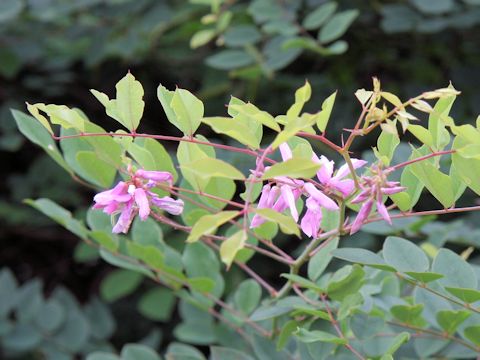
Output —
<point x="374" y="188"/>
<point x="135" y="197"/>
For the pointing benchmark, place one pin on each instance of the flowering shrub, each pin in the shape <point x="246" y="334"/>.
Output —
<point x="411" y="301"/>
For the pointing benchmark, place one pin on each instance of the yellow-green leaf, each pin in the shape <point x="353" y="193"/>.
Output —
<point x="233" y="128"/>
<point x="129" y="103"/>
<point x="209" y="167"/>
<point x="33" y="109"/>
<point x="286" y="223"/>
<point x="188" y="110"/>
<point x="207" y="224"/>
<point x="421" y="134"/>
<point x="296" y="167"/>
<point x="230" y="247"/>
<point x="324" y="115"/>
<point x="302" y="95"/>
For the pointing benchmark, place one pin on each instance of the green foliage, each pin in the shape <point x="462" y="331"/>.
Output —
<point x="322" y="301"/>
<point x="55" y="327"/>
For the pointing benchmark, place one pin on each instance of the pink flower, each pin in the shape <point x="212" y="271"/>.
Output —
<point x="337" y="182"/>
<point x="373" y="190"/>
<point x="312" y="219"/>
<point x="134" y="196"/>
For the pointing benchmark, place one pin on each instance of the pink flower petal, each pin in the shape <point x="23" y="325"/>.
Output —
<point x="285" y="151"/>
<point x="324" y="174"/>
<point x="172" y="206"/>
<point x="362" y="216"/>
<point x="267" y="199"/>
<point x="364" y="195"/>
<point x="159" y="176"/>
<point x="142" y="202"/>
<point x="118" y="194"/>
<point x="312" y="219"/>
<point x="322" y="199"/>
<point x="344" y="170"/>
<point x="289" y="198"/>
<point x="382" y="210"/>
<point x="346" y="186"/>
<point x="392" y="190"/>
<point x="124" y="220"/>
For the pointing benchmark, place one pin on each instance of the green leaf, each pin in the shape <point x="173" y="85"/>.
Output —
<point x="119" y="283"/>
<point x="105" y="240"/>
<point x="149" y="254"/>
<point x="366" y="326"/>
<point x="208" y="224"/>
<point x="436" y="182"/>
<point x="466" y="295"/>
<point x="362" y="256"/>
<point x="202" y="37"/>
<point x="247" y="296"/>
<point x="296" y="167"/>
<point x="189" y="153"/>
<point x="467" y="168"/>
<point x="157" y="304"/>
<point x="165" y="97"/>
<point x="337" y="25"/>
<point x="230" y="59"/>
<point x="409" y="314"/>
<point x="421" y="134"/>
<point x="285" y="333"/>
<point x="313" y="336"/>
<point x="386" y="145"/>
<point x="209" y="167"/>
<point x="457" y="272"/>
<point x="138" y="352"/>
<point x="35" y="111"/>
<point x="231" y="246"/>
<point x="302" y="282"/>
<point x="472" y="333"/>
<point x="292" y="127"/>
<point x="60" y="215"/>
<point x="345" y="281"/>
<point x="404" y="255"/>
<point x="241" y="35"/>
<point x="73" y="334"/>
<point x="233" y="128"/>
<point x="10" y="9"/>
<point x="471" y="151"/>
<point x="250" y="111"/>
<point x="22" y="338"/>
<point x="319" y="16"/>
<point x="99" y="355"/>
<point x="178" y="351"/>
<point x="436" y="123"/>
<point x="188" y="111"/>
<point x="50" y="316"/>
<point x="201" y="284"/>
<point x="400" y="339"/>
<point x="101" y="172"/>
<point x="424" y="277"/>
<point x="450" y="320"/>
<point x="319" y="262"/>
<point x="129" y="102"/>
<point x="323" y="116"/>
<point x="222" y="353"/>
<point x="286" y="223"/>
<point x="37" y="134"/>
<point x="302" y="95"/>
<point x="162" y="161"/>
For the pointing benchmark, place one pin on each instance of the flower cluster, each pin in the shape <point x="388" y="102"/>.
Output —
<point x="135" y="196"/>
<point x="373" y="190"/>
<point x="285" y="191"/>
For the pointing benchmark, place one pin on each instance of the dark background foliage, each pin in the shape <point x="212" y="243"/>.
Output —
<point x="54" y="51"/>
